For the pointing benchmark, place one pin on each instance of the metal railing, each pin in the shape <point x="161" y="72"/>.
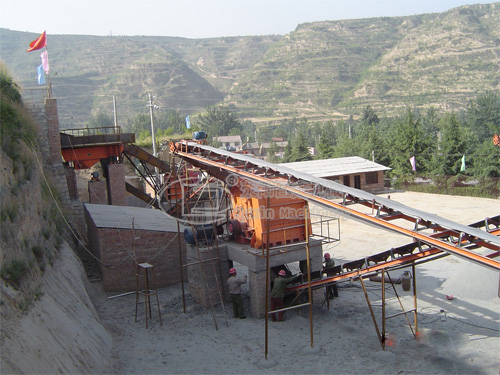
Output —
<point x="321" y="235"/>
<point x="35" y="95"/>
<point x="82" y="132"/>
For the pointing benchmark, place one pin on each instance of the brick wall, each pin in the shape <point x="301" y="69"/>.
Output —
<point x="71" y="182"/>
<point x="197" y="284"/>
<point x="377" y="187"/>
<point x="118" y="248"/>
<point x="54" y="139"/>
<point x="46" y="115"/>
<point x="97" y="192"/>
<point x="117" y="194"/>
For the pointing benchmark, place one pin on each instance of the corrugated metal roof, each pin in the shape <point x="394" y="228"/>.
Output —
<point x="122" y="217"/>
<point x="335" y="167"/>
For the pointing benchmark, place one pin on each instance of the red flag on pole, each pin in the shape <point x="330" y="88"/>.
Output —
<point x="38" y="43"/>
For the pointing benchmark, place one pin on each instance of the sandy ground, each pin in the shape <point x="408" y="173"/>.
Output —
<point x="464" y="339"/>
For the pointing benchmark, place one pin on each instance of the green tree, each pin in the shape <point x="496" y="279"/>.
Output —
<point x="369" y="140"/>
<point x="287" y="154"/>
<point x="300" y="151"/>
<point x="248" y="130"/>
<point x="447" y="161"/>
<point x="487" y="163"/>
<point x="345" y="147"/>
<point x="101" y="120"/>
<point x="271" y="153"/>
<point x="430" y="121"/>
<point x="369" y="117"/>
<point x="140" y="124"/>
<point x="407" y="140"/>
<point x="325" y="146"/>
<point x="170" y="119"/>
<point x="218" y="121"/>
<point x="483" y="115"/>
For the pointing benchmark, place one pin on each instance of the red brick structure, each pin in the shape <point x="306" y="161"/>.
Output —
<point x="350" y="171"/>
<point x="46" y="115"/>
<point x="71" y="181"/>
<point x="121" y="237"/>
<point x="97" y="192"/>
<point x="117" y="194"/>
<point x="53" y="130"/>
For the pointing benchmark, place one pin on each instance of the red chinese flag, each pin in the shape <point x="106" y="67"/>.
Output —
<point x="38" y="43"/>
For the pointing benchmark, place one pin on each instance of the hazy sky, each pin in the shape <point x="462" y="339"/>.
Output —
<point x="199" y="18"/>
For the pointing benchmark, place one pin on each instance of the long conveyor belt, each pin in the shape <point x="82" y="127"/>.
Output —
<point x="465" y="241"/>
<point x="398" y="257"/>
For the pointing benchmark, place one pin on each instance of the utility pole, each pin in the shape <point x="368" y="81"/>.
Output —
<point x="114" y="113"/>
<point x="153" y="139"/>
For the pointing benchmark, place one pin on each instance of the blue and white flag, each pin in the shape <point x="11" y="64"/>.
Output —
<point x="41" y="75"/>
<point x="188" y="124"/>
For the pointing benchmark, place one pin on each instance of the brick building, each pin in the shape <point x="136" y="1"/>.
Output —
<point x="120" y="236"/>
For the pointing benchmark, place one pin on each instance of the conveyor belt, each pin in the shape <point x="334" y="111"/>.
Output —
<point x="465" y="241"/>
<point x="146" y="157"/>
<point x="389" y="259"/>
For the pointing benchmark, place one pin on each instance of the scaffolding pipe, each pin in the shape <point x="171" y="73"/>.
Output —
<point x="383" y="309"/>
<point x="371" y="311"/>
<point x="180" y="261"/>
<point x="267" y="278"/>
<point x="306" y="213"/>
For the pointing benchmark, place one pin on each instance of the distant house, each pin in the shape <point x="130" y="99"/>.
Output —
<point x="264" y="147"/>
<point x="351" y="171"/>
<point x="252" y="148"/>
<point x="229" y="142"/>
<point x="312" y="151"/>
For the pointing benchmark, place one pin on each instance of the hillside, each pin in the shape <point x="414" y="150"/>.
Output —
<point x="439" y="63"/>
<point x="322" y="70"/>
<point x="311" y="69"/>
<point x="43" y="286"/>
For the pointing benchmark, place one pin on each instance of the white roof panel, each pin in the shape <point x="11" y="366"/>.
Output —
<point x="335" y="167"/>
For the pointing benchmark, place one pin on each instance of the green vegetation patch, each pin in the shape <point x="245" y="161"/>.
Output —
<point x="14" y="271"/>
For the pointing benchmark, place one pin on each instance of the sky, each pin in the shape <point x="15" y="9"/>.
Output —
<point x="199" y="18"/>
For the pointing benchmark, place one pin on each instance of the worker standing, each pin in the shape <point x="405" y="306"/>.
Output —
<point x="278" y="293"/>
<point x="329" y="262"/>
<point x="234" y="284"/>
<point x="333" y="291"/>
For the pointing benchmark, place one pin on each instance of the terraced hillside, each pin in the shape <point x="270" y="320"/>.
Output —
<point x="321" y="70"/>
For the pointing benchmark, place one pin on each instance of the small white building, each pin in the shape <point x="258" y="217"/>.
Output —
<point x="229" y="142"/>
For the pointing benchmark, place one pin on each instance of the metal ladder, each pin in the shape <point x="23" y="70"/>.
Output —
<point x="215" y="270"/>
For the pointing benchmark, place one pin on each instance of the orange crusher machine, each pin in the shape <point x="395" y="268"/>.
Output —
<point x="259" y="213"/>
